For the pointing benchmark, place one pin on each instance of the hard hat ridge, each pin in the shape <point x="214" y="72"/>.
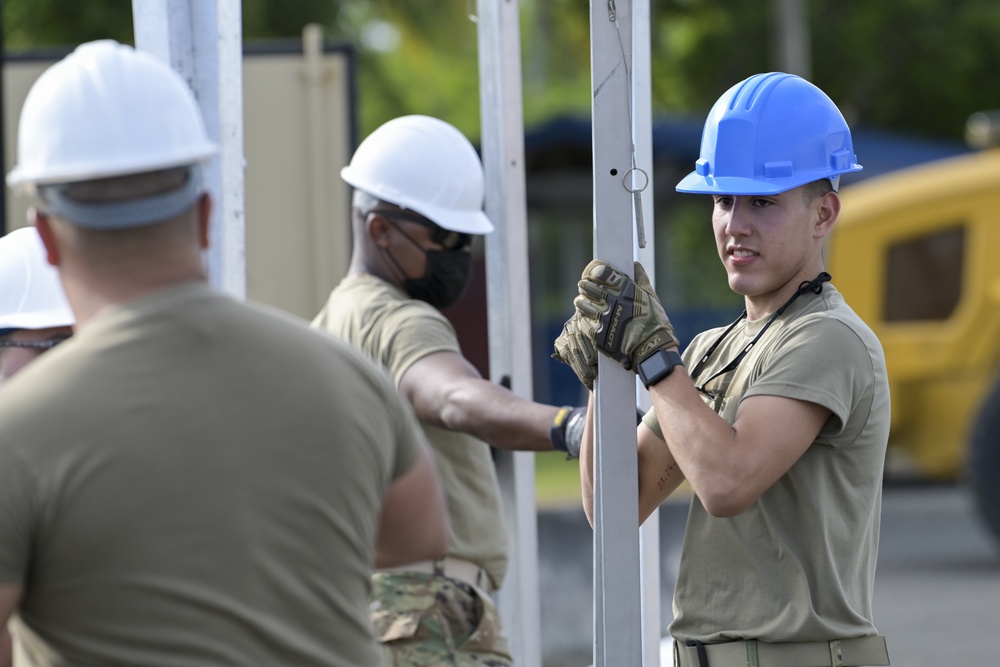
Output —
<point x="770" y="133"/>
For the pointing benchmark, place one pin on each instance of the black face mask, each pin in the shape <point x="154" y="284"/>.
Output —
<point x="445" y="279"/>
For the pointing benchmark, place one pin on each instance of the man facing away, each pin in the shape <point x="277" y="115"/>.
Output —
<point x="779" y="421"/>
<point x="417" y="207"/>
<point x="189" y="480"/>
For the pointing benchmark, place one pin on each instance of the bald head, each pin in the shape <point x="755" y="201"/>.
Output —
<point x="100" y="266"/>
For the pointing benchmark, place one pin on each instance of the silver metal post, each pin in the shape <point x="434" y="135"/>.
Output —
<point x="203" y="41"/>
<point x="794" y="43"/>
<point x="617" y="617"/>
<point x="509" y="306"/>
<point x="642" y="136"/>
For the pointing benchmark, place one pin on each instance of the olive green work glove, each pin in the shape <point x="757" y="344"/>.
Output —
<point x="575" y="348"/>
<point x="628" y="322"/>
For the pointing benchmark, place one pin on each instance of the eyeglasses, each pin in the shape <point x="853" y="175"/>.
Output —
<point x="35" y="344"/>
<point x="445" y="238"/>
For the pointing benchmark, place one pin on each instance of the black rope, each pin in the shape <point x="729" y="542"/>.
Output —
<point x="815" y="286"/>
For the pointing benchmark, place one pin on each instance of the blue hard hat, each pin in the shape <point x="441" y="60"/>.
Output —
<point x="770" y="133"/>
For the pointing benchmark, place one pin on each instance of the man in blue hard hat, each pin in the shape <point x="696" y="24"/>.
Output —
<point x="778" y="421"/>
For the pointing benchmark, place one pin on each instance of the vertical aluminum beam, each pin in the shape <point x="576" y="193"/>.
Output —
<point x="203" y="41"/>
<point x="617" y="616"/>
<point x="642" y="136"/>
<point x="794" y="43"/>
<point x="509" y="306"/>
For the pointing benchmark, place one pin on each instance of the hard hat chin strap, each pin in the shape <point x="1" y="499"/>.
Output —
<point x="127" y="213"/>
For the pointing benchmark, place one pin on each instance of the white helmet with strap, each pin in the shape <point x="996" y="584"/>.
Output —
<point x="32" y="296"/>
<point x="108" y="110"/>
<point x="426" y="165"/>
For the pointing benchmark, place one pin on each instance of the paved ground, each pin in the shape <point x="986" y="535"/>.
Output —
<point x="937" y="596"/>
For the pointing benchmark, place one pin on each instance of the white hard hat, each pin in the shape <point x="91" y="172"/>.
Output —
<point x="107" y="110"/>
<point x="32" y="296"/>
<point x="426" y="165"/>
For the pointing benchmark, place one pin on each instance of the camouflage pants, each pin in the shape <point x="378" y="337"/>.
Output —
<point x="423" y="620"/>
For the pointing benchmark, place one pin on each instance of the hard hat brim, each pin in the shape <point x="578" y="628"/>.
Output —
<point x="26" y="179"/>
<point x="695" y="183"/>
<point x="45" y="319"/>
<point x="463" y="222"/>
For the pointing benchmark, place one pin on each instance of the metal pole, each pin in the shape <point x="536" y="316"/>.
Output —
<point x="793" y="38"/>
<point x="642" y="125"/>
<point x="509" y="311"/>
<point x="203" y="40"/>
<point x="617" y="616"/>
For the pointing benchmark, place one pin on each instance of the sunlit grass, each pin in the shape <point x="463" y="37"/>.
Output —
<point x="557" y="481"/>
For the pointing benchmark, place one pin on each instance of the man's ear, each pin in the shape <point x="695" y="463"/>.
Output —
<point x="204" y="219"/>
<point x="377" y="229"/>
<point x="827" y="212"/>
<point x="40" y="221"/>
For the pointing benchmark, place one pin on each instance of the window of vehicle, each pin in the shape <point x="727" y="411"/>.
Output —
<point x="924" y="279"/>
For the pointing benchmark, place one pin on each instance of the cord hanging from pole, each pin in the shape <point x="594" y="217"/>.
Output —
<point x="628" y="180"/>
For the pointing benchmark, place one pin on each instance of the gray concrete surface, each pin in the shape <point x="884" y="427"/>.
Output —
<point x="937" y="587"/>
<point x="937" y="596"/>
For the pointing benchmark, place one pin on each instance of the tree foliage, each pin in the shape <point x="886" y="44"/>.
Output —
<point x="32" y="24"/>
<point x="915" y="65"/>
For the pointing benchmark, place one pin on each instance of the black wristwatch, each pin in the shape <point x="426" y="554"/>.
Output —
<point x="658" y="365"/>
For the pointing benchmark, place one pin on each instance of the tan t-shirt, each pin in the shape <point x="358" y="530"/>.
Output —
<point x="396" y="331"/>
<point x="799" y="564"/>
<point x="194" y="481"/>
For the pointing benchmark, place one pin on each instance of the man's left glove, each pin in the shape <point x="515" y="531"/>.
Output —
<point x="567" y="430"/>
<point x="631" y="323"/>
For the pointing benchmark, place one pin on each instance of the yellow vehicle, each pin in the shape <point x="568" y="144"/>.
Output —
<point x="915" y="252"/>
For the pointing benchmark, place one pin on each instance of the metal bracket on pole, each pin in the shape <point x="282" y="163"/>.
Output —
<point x="617" y="617"/>
<point x="509" y="311"/>
<point x="203" y="41"/>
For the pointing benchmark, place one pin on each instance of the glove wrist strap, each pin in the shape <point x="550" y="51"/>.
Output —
<point x="558" y="431"/>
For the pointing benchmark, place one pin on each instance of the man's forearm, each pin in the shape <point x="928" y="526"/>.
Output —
<point x="498" y="416"/>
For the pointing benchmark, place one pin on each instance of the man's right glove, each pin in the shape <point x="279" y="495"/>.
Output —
<point x="575" y="348"/>
<point x="630" y="322"/>
<point x="567" y="430"/>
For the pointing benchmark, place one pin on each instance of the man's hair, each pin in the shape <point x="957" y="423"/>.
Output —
<point x="816" y="189"/>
